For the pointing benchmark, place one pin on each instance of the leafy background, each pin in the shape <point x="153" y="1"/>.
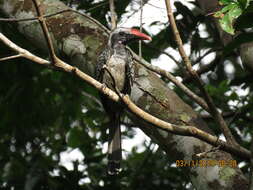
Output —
<point x="45" y="112"/>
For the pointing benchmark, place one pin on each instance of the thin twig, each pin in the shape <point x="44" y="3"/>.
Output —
<point x="92" y="19"/>
<point x="218" y="118"/>
<point x="54" y="14"/>
<point x="93" y="98"/>
<point x="43" y="24"/>
<point x="203" y="69"/>
<point x="227" y="115"/>
<point x="205" y="154"/>
<point x="141" y="16"/>
<point x="204" y="55"/>
<point x="17" y="20"/>
<point x="184" y="130"/>
<point x="10" y="57"/>
<point x="173" y="79"/>
<point x="236" y="113"/>
<point x="156" y="6"/>
<point x="33" y="18"/>
<point x="130" y="16"/>
<point x="23" y="52"/>
<point x="175" y="129"/>
<point x="163" y="52"/>
<point x="158" y="122"/>
<point x="113" y="15"/>
<point x="97" y="6"/>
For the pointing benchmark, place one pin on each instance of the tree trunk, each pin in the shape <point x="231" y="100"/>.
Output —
<point x="80" y="39"/>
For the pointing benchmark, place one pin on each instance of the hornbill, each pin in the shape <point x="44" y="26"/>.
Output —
<point x="115" y="70"/>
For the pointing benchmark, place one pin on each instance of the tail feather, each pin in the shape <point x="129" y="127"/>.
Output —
<point x="114" y="146"/>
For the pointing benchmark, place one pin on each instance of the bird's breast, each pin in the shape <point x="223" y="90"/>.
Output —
<point x="117" y="67"/>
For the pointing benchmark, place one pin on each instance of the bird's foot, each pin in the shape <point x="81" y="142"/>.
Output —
<point x="103" y="87"/>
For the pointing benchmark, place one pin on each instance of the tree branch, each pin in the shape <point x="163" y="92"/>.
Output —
<point x="173" y="79"/>
<point x="174" y="129"/>
<point x="33" y="18"/>
<point x="218" y="118"/>
<point x="43" y="25"/>
<point x="113" y="15"/>
<point x="10" y="57"/>
<point x="204" y="69"/>
<point x="86" y="61"/>
<point x="163" y="52"/>
<point x="141" y="15"/>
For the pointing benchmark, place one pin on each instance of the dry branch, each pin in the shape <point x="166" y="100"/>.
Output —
<point x="215" y="113"/>
<point x="175" y="129"/>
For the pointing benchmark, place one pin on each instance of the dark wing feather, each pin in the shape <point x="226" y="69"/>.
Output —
<point x="129" y="73"/>
<point x="101" y="61"/>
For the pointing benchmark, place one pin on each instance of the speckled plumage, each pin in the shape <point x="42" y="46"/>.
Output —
<point x="119" y="62"/>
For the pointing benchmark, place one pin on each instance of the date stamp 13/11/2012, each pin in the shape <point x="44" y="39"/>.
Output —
<point x="206" y="163"/>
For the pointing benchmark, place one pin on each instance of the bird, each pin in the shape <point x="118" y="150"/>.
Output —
<point x="114" y="69"/>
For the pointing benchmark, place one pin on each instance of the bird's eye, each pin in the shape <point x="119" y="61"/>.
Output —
<point x="121" y="33"/>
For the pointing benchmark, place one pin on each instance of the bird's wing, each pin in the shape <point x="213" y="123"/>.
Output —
<point x="129" y="73"/>
<point x="101" y="61"/>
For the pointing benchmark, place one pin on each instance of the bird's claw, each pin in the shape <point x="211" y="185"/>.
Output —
<point x="103" y="87"/>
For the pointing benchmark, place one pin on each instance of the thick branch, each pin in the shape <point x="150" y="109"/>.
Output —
<point x="173" y="79"/>
<point x="82" y="46"/>
<point x="175" y="129"/>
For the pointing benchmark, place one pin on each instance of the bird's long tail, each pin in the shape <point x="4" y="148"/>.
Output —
<point x="114" y="146"/>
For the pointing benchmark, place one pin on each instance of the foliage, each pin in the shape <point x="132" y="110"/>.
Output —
<point x="46" y="112"/>
<point x="231" y="11"/>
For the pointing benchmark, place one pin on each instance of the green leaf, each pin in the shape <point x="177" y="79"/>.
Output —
<point x="226" y="22"/>
<point x="220" y="14"/>
<point x="235" y="12"/>
<point x="230" y="12"/>
<point x="225" y="2"/>
<point x="228" y="8"/>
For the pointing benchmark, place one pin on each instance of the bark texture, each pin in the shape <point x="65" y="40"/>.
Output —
<point x="80" y="39"/>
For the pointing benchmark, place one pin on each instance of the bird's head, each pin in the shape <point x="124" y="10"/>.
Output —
<point x="125" y="36"/>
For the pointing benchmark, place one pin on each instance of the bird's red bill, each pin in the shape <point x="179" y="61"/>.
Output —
<point x="140" y="34"/>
